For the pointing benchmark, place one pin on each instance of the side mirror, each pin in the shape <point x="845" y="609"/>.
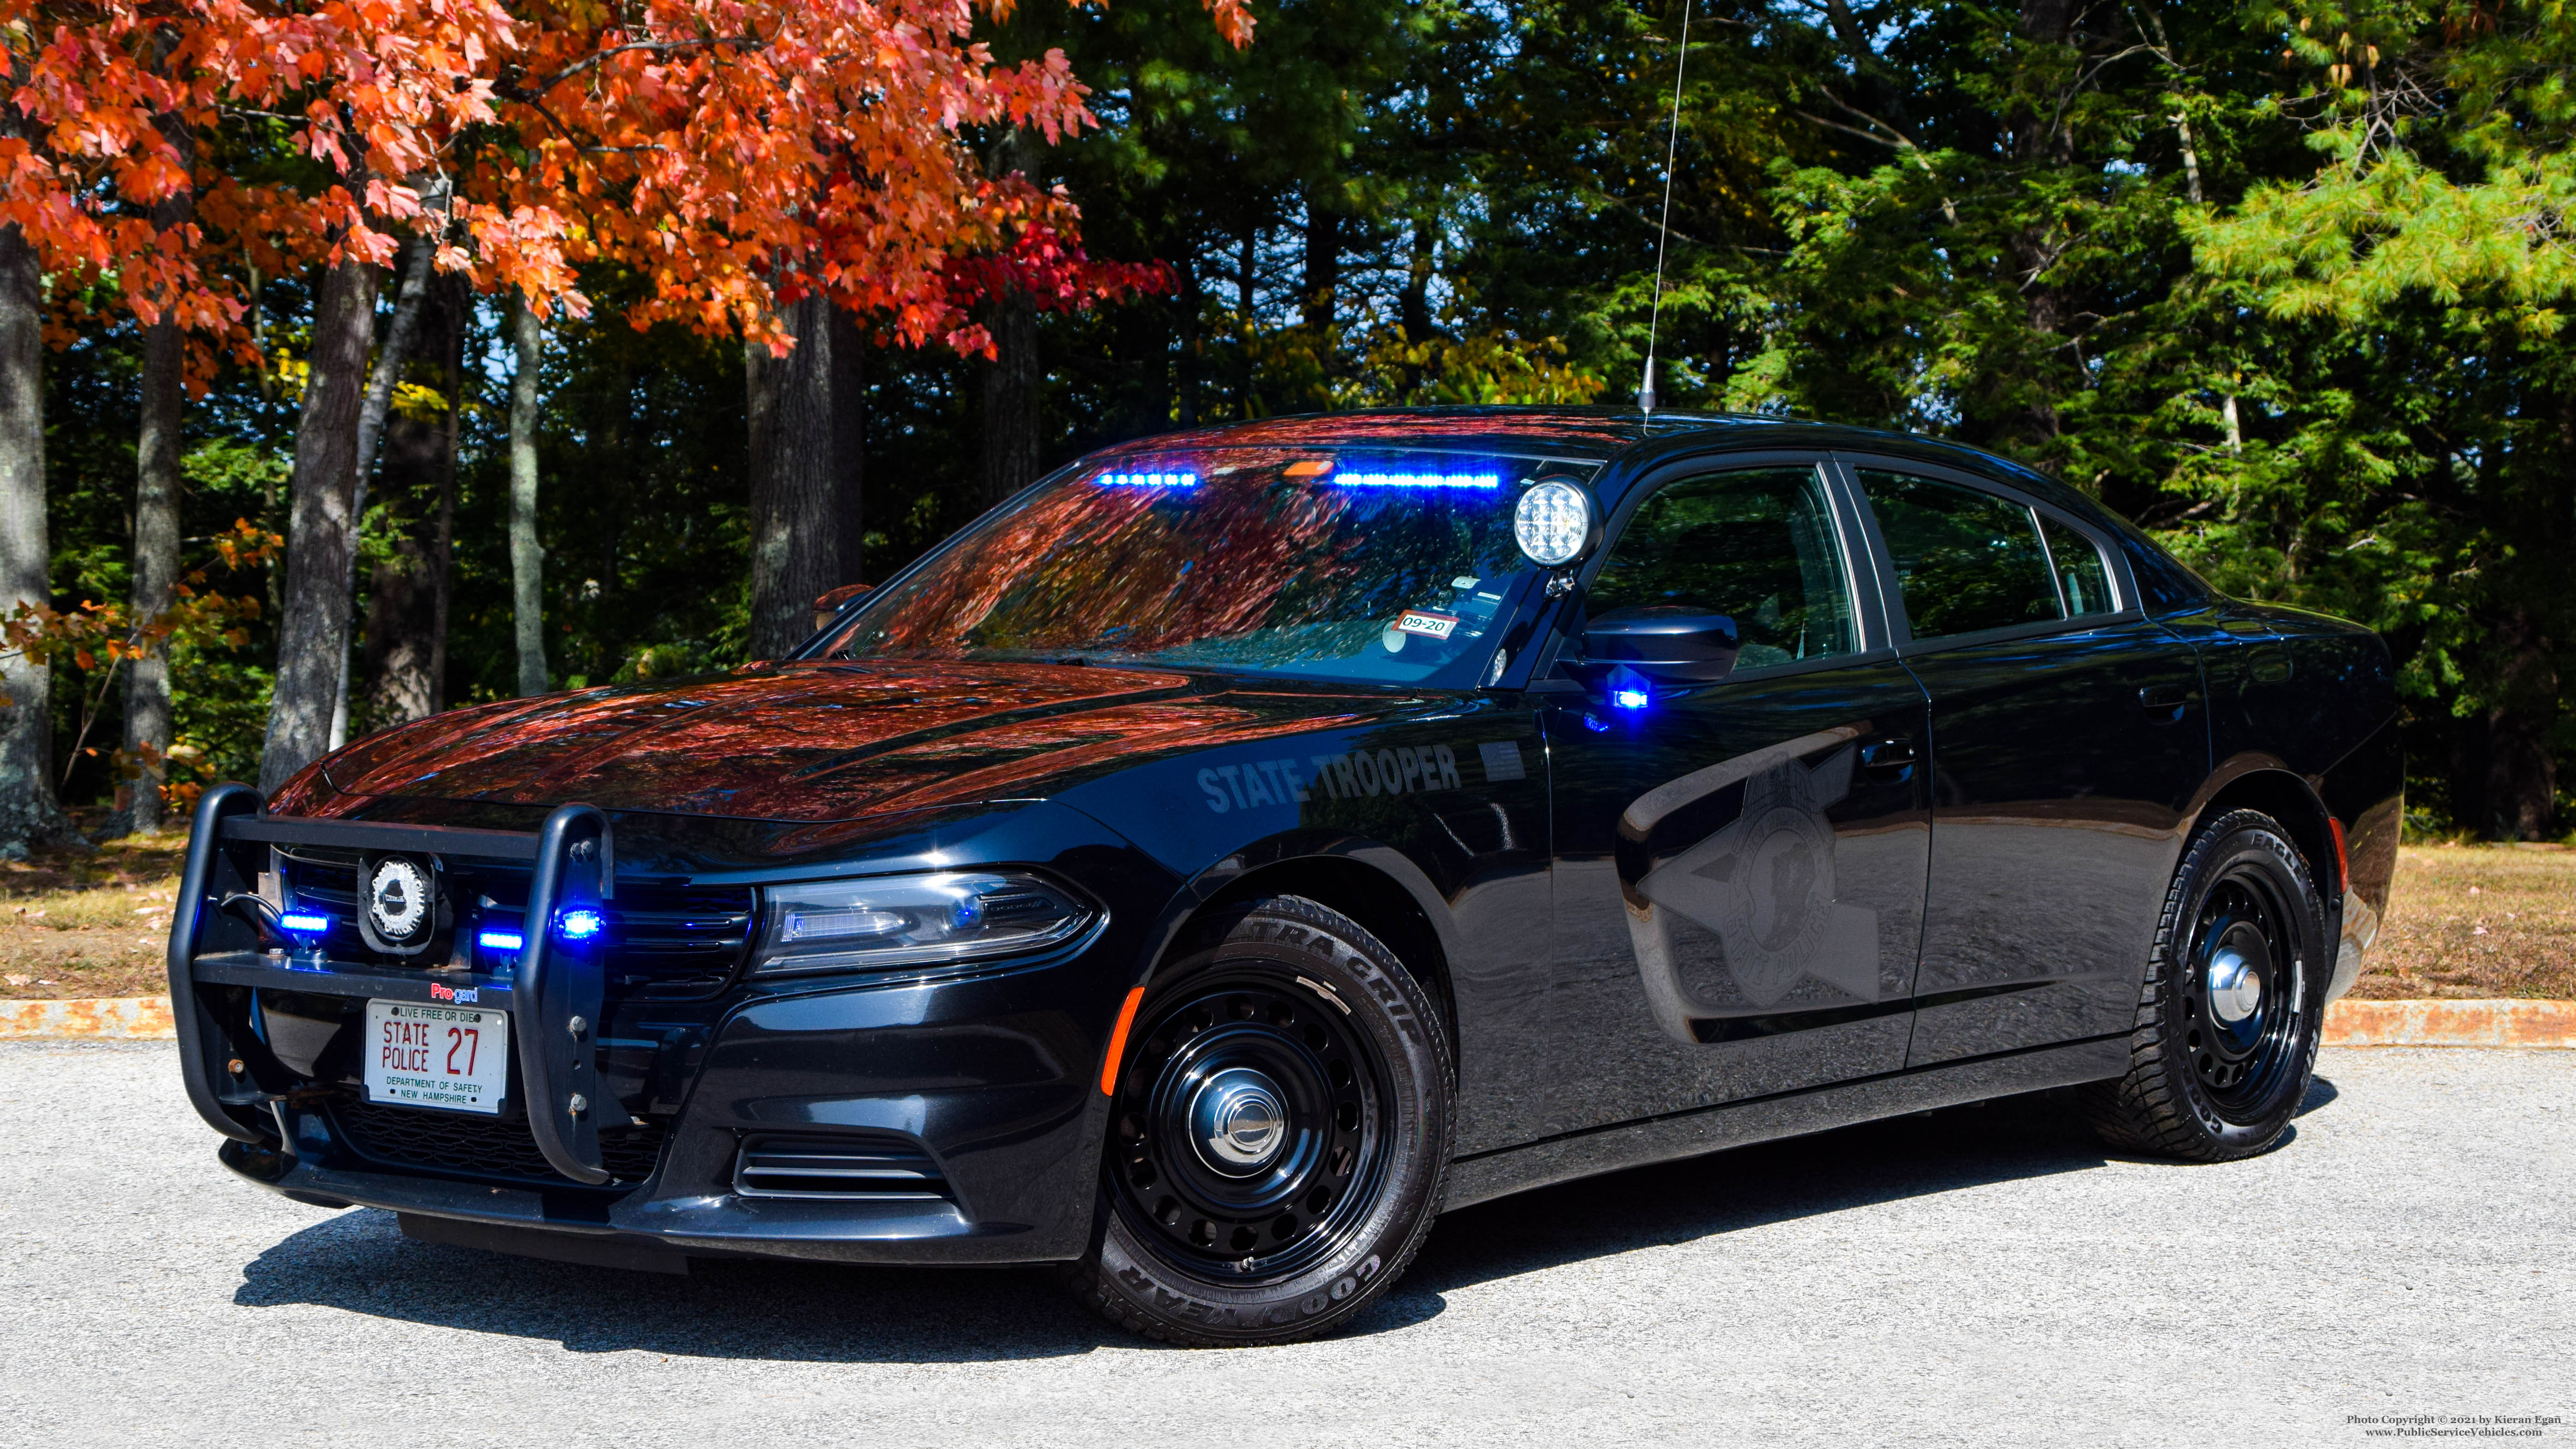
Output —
<point x="1663" y="641"/>
<point x="829" y="606"/>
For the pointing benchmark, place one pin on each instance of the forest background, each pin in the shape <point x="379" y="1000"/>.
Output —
<point x="2280" y="282"/>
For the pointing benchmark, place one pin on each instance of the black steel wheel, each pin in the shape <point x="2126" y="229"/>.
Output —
<point x="2227" y="1023"/>
<point x="1278" y="1134"/>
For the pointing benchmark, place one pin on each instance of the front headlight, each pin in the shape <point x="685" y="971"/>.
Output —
<point x="913" y="920"/>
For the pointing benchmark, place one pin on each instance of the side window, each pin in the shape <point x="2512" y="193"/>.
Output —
<point x="1965" y="560"/>
<point x="2081" y="574"/>
<point x="1757" y="546"/>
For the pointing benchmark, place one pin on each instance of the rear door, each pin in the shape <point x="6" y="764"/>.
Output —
<point x="2067" y="738"/>
<point x="1739" y="867"/>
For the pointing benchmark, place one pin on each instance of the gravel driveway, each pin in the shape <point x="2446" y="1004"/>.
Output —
<point x="1978" y="1276"/>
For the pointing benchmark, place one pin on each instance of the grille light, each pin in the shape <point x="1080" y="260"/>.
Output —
<point x="912" y="920"/>
<point x="305" y="923"/>
<point x="501" y="941"/>
<point x="579" y="925"/>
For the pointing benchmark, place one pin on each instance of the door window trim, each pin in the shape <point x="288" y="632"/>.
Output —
<point x="1862" y="574"/>
<point x="1891" y="590"/>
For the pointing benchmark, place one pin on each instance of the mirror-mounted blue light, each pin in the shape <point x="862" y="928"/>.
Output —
<point x="304" y="923"/>
<point x="501" y="941"/>
<point x="1629" y="689"/>
<point x="580" y="925"/>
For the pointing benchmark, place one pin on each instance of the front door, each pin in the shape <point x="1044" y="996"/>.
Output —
<point x="2067" y="738"/>
<point x="1739" y="867"/>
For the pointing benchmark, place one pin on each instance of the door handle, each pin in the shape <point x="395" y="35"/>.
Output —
<point x="2168" y="700"/>
<point x="1888" y="755"/>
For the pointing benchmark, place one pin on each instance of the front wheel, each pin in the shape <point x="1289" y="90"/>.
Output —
<point x="1279" y="1136"/>
<point x="2227" y="1023"/>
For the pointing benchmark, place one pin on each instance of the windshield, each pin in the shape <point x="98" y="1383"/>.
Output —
<point x="1394" y="568"/>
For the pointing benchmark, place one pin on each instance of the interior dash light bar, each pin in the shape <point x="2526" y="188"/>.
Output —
<point x="1417" y="480"/>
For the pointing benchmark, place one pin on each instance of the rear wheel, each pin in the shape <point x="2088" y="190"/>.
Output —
<point x="1279" y="1135"/>
<point x="2226" y="1038"/>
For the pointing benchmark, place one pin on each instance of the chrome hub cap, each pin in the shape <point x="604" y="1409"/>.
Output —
<point x="2235" y="990"/>
<point x="1237" y="1122"/>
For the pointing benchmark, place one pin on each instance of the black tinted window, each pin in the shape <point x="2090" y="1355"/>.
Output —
<point x="1756" y="546"/>
<point x="1965" y="560"/>
<point x="2081" y="574"/>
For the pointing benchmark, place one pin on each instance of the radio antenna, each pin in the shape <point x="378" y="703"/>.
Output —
<point x="1664" y="228"/>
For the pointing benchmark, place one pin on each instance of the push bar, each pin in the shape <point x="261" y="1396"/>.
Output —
<point x="559" y="988"/>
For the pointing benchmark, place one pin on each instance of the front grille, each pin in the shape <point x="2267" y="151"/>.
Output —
<point x="662" y="942"/>
<point x="477" y="1146"/>
<point x="839" y="1167"/>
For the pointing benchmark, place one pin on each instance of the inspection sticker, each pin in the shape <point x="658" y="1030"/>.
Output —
<point x="1426" y="623"/>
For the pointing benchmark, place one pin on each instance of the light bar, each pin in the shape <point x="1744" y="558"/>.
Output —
<point x="1416" y="480"/>
<point x="313" y="922"/>
<point x="501" y="941"/>
<point x="1147" y="480"/>
<point x="579" y="925"/>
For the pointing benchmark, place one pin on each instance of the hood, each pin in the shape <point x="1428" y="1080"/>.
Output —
<point x="816" y="741"/>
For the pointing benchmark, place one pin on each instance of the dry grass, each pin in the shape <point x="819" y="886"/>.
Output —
<point x="2466" y="921"/>
<point x="2478" y="921"/>
<point x="96" y="925"/>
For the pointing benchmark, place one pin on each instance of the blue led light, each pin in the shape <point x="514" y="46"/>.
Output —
<point x="500" y="941"/>
<point x="1147" y="480"/>
<point x="305" y="922"/>
<point x="579" y="925"/>
<point x="1416" y="480"/>
<point x="1629" y="689"/>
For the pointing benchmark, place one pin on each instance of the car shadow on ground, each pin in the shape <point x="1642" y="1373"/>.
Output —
<point x="359" y="1261"/>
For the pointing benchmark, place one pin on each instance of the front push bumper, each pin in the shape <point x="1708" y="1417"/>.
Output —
<point x="983" y="1083"/>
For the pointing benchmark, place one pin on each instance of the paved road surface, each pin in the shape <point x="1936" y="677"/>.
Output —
<point x="1981" y="1276"/>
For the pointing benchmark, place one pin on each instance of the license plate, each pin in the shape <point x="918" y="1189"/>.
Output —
<point x="455" y="1057"/>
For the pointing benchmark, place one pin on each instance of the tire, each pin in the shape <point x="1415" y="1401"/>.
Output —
<point x="2218" y="1069"/>
<point x="1291" y="1025"/>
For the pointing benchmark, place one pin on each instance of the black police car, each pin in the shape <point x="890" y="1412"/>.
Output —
<point x="1246" y="843"/>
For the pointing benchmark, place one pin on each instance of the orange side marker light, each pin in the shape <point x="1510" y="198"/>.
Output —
<point x="1118" y="1042"/>
<point x="2343" y="862"/>
<point x="1310" y="468"/>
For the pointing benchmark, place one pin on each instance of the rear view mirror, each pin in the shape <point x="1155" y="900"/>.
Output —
<point x="1663" y="642"/>
<point x="829" y="606"/>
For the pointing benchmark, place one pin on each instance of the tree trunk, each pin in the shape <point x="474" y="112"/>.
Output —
<point x="527" y="559"/>
<point x="405" y="602"/>
<point x="29" y="814"/>
<point x="1323" y="277"/>
<point x="371" y="429"/>
<point x="313" y="626"/>
<point x="801" y="517"/>
<point x="1011" y="398"/>
<point x="849" y="445"/>
<point x="2521" y="785"/>
<point x="149" y="723"/>
<point x="1191" y="299"/>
